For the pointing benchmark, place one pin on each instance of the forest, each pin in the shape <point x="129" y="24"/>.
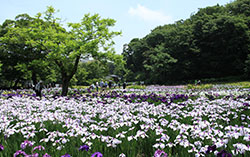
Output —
<point x="213" y="44"/>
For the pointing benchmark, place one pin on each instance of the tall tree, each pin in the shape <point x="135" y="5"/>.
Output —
<point x="133" y="55"/>
<point x="32" y="39"/>
<point x="89" y="38"/>
<point x="222" y="40"/>
<point x="18" y="53"/>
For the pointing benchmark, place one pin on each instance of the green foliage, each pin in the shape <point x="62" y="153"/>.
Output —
<point x="22" y="56"/>
<point x="96" y="69"/>
<point x="200" y="47"/>
<point x="83" y="40"/>
<point x="247" y="67"/>
<point x="240" y="7"/>
<point x="0" y="67"/>
<point x="118" y="66"/>
<point x="81" y="74"/>
<point x="158" y="62"/>
<point x="134" y="58"/>
<point x="41" y="48"/>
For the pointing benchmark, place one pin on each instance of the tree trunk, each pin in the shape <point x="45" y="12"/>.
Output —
<point x="15" y="84"/>
<point x="33" y="77"/>
<point x="67" y="77"/>
<point x="65" y="86"/>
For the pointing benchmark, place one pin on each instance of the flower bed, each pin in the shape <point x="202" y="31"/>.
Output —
<point x="134" y="122"/>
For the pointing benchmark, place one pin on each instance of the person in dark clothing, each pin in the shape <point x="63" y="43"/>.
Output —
<point x="97" y="86"/>
<point x="110" y="84"/>
<point x="124" y="85"/>
<point x="38" y="89"/>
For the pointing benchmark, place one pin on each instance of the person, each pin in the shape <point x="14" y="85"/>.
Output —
<point x="101" y="84"/>
<point x="38" y="89"/>
<point x="124" y="85"/>
<point x="92" y="86"/>
<point x="97" y="84"/>
<point x="110" y="84"/>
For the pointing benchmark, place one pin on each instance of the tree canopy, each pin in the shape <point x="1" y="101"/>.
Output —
<point x="32" y="43"/>
<point x="213" y="43"/>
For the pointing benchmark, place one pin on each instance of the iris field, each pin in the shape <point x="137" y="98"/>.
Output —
<point x="155" y="121"/>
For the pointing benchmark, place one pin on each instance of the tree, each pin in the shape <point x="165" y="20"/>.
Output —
<point x="158" y="64"/>
<point x="28" y="40"/>
<point x="81" y="74"/>
<point x="96" y="70"/>
<point x="19" y="56"/>
<point x="133" y="55"/>
<point x="247" y="67"/>
<point x="223" y="42"/>
<point x="239" y="7"/>
<point x="1" y="68"/>
<point x="89" y="38"/>
<point x="119" y="66"/>
<point x="213" y="43"/>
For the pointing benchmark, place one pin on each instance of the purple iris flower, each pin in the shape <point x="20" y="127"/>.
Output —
<point x="66" y="155"/>
<point x="46" y="155"/>
<point x="39" y="148"/>
<point x="97" y="154"/>
<point x="181" y="104"/>
<point x="1" y="147"/>
<point x="20" y="152"/>
<point x="164" y="100"/>
<point x="160" y="153"/>
<point x="25" y="143"/>
<point x="84" y="147"/>
<point x="33" y="155"/>
<point x="246" y="104"/>
<point x="211" y="149"/>
<point x="223" y="153"/>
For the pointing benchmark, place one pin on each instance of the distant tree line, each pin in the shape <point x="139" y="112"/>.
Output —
<point x="212" y="43"/>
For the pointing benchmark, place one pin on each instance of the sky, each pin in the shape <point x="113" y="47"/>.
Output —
<point x="135" y="18"/>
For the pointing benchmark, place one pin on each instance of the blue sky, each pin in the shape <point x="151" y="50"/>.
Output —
<point x="135" y="18"/>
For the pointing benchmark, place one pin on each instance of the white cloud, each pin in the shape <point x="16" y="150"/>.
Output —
<point x="149" y="15"/>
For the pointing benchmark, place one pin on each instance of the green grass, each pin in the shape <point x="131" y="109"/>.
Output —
<point x="202" y="86"/>
<point x="80" y="87"/>
<point x="136" y="87"/>
<point x="243" y="84"/>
